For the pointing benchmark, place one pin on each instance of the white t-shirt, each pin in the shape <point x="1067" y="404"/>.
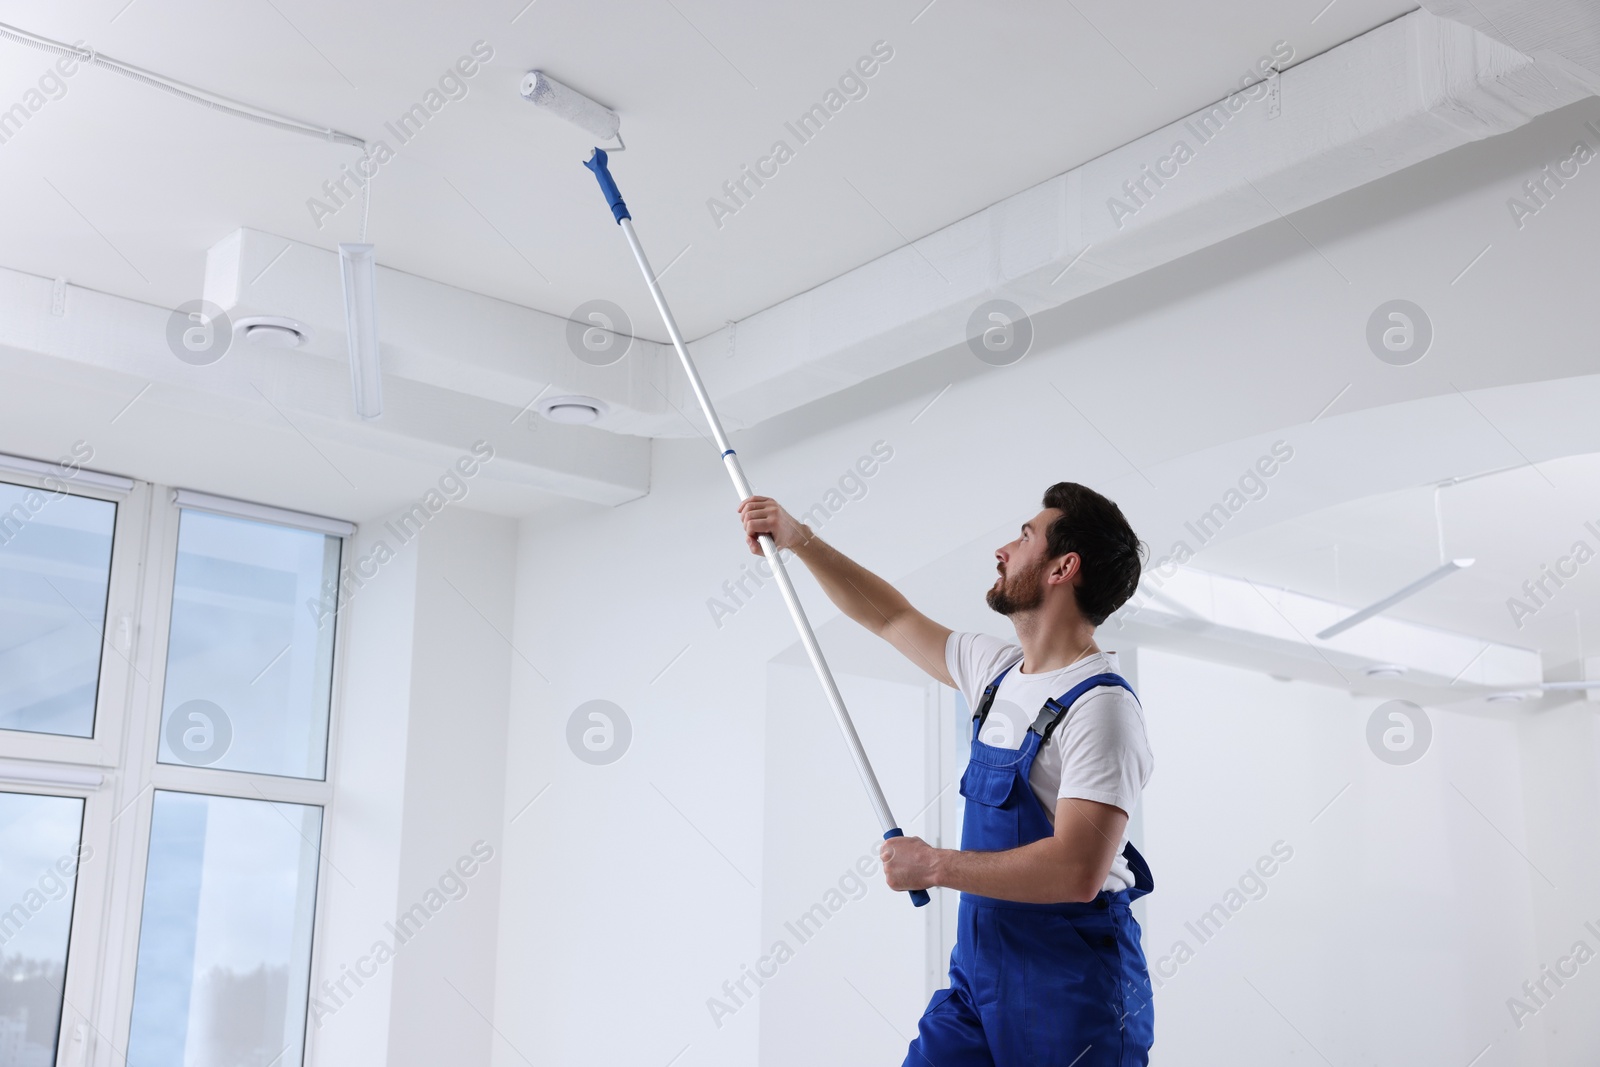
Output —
<point x="1100" y="752"/>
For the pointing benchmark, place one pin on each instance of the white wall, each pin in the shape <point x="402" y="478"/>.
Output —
<point x="632" y="889"/>
<point x="366" y="827"/>
<point x="1402" y="918"/>
<point x="1560" y="755"/>
<point x="858" y="969"/>
<point x="455" y="843"/>
<point x="419" y="779"/>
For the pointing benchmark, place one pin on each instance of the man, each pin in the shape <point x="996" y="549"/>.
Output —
<point x="1047" y="969"/>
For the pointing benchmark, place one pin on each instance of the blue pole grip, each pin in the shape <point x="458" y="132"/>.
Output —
<point x="602" y="173"/>
<point x="919" y="897"/>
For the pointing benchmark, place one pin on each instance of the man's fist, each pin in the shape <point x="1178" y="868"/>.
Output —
<point x="763" y="515"/>
<point x="908" y="863"/>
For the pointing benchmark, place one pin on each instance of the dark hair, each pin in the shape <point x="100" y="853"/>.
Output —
<point x="1096" y="530"/>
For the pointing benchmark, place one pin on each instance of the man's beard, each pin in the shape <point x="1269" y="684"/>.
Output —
<point x="1022" y="591"/>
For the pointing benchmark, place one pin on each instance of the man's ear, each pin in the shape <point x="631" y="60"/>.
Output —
<point x="1066" y="568"/>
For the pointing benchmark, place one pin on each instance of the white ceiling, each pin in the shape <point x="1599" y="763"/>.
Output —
<point x="1357" y="552"/>
<point x="121" y="188"/>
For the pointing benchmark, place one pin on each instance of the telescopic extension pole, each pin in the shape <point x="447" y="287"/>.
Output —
<point x="619" y="210"/>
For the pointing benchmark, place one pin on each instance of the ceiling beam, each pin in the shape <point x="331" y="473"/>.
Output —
<point x="1235" y="620"/>
<point x="436" y="334"/>
<point x="107" y="344"/>
<point x="1394" y="97"/>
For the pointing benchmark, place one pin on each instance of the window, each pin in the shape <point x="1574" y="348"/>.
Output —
<point x="225" y="939"/>
<point x="40" y="839"/>
<point x="249" y="669"/>
<point x="167" y="711"/>
<point x="55" y="572"/>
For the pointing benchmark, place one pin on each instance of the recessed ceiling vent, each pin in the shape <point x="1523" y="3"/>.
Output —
<point x="272" y="331"/>
<point x="572" y="409"/>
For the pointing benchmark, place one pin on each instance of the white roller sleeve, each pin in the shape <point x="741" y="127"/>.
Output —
<point x="541" y="89"/>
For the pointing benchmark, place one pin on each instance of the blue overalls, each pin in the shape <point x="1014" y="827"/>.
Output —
<point x="1036" y="985"/>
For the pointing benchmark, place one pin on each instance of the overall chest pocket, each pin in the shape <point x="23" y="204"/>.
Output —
<point x="994" y="787"/>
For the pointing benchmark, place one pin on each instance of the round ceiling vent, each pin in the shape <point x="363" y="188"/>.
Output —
<point x="272" y="331"/>
<point x="574" y="410"/>
<point x="1385" y="670"/>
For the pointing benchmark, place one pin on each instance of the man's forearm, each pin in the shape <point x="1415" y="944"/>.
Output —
<point x="1039" y="873"/>
<point x="856" y="591"/>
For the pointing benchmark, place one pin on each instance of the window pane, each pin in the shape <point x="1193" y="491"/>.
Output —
<point x="250" y="656"/>
<point x="55" y="567"/>
<point x="39" y="839"/>
<point x="225" y="940"/>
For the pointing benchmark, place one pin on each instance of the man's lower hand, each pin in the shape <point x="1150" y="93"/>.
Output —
<point x="909" y="863"/>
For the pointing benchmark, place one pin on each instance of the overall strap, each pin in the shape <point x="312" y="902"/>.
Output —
<point x="987" y="700"/>
<point x="1055" y="709"/>
<point x="1143" y="881"/>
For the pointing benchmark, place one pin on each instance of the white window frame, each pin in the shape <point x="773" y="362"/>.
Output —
<point x="108" y="901"/>
<point x="104" y="747"/>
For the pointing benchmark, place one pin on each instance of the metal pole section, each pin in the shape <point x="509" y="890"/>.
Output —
<point x="731" y="462"/>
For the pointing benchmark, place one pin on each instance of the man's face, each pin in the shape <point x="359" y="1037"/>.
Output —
<point x="1023" y="566"/>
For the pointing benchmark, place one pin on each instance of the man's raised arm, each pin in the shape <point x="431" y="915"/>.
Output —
<point x="857" y="592"/>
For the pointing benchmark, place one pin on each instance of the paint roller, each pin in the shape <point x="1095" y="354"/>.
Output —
<point x="563" y="101"/>
<point x="566" y="102"/>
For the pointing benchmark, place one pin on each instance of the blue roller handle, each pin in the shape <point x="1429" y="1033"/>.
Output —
<point x="919" y="897"/>
<point x="602" y="173"/>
